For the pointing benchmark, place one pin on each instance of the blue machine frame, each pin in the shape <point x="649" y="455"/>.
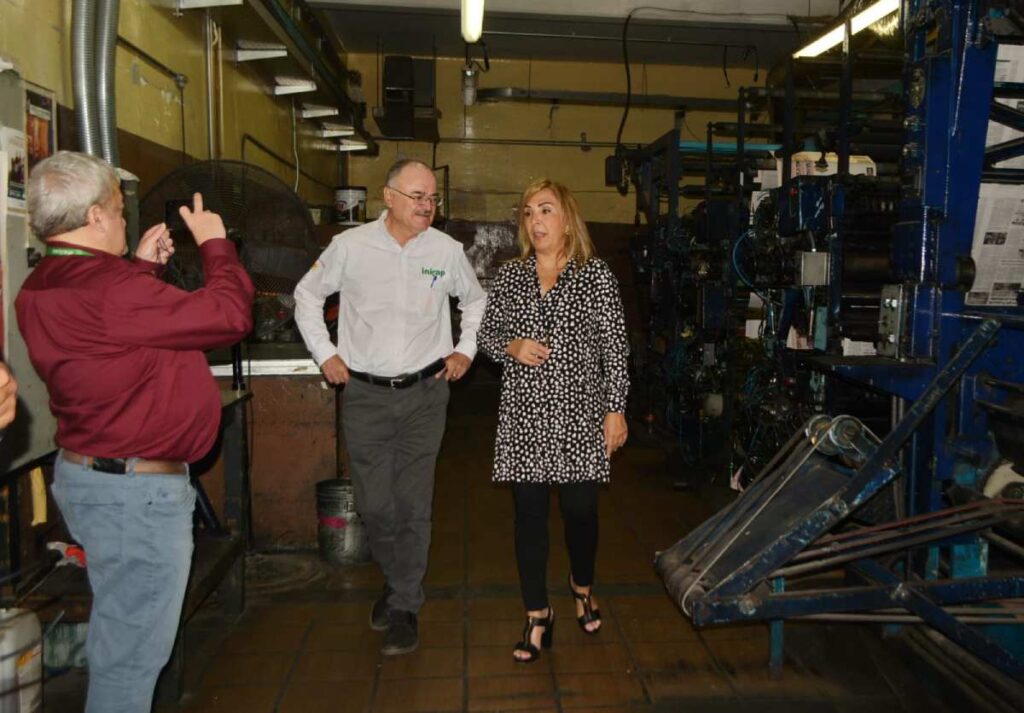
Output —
<point x="955" y="367"/>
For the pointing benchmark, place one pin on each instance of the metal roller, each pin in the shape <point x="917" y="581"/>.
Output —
<point x="867" y="267"/>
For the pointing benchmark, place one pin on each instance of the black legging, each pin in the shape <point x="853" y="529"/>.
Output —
<point x="579" y="511"/>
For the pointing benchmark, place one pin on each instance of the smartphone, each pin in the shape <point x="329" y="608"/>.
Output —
<point x="171" y="215"/>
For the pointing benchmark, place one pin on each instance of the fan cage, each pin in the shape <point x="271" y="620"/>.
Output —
<point x="269" y="224"/>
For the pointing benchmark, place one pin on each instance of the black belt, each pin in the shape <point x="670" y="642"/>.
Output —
<point x="119" y="466"/>
<point x="400" y="382"/>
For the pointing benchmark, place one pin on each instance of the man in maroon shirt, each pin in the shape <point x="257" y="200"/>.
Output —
<point x="120" y="352"/>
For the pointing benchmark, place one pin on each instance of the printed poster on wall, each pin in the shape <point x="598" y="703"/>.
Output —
<point x="15" y="168"/>
<point x="40" y="124"/>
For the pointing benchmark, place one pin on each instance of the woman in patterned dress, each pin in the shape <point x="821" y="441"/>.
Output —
<point x="554" y="322"/>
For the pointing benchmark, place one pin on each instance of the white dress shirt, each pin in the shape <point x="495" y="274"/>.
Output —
<point x="393" y="310"/>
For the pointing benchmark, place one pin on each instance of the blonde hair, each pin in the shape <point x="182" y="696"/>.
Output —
<point x="578" y="245"/>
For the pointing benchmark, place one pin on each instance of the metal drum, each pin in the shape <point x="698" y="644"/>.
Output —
<point x="341" y="534"/>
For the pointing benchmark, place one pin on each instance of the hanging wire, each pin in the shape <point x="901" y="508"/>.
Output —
<point x="625" y="50"/>
<point x="295" y="147"/>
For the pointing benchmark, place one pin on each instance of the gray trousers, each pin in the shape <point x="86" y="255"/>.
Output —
<point x="393" y="437"/>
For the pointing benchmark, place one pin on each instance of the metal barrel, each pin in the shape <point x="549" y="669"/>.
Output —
<point x="341" y="534"/>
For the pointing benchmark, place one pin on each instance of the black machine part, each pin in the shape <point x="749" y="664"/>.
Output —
<point x="1007" y="426"/>
<point x="1012" y="528"/>
<point x="172" y="213"/>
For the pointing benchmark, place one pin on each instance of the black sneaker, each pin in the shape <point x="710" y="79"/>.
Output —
<point x="379" y="614"/>
<point x="403" y="634"/>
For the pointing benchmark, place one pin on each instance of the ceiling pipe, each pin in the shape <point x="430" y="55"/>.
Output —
<point x="83" y="63"/>
<point x="560" y="96"/>
<point x="564" y="36"/>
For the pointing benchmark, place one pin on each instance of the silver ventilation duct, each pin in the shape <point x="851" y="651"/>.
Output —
<point x="93" y="58"/>
<point x="107" y="15"/>
<point x="83" y="63"/>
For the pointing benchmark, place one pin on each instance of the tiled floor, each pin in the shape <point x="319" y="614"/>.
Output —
<point x="304" y="644"/>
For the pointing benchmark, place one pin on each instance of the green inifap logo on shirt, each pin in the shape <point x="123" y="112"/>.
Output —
<point x="432" y="272"/>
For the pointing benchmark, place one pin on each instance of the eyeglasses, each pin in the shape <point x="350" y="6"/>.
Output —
<point x="433" y="199"/>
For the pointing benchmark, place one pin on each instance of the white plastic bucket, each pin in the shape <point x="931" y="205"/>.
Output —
<point x="350" y="204"/>
<point x="21" y="662"/>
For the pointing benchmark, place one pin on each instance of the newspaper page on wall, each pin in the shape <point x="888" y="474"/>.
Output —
<point x="40" y="124"/>
<point x="998" y="250"/>
<point x="12" y="142"/>
<point x="998" y="247"/>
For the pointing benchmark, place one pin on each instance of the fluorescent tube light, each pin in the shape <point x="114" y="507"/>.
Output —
<point x="872" y="14"/>
<point x="472" y="20"/>
<point x="865" y="18"/>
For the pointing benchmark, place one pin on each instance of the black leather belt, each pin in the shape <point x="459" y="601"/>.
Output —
<point x="119" y="466"/>
<point x="400" y="382"/>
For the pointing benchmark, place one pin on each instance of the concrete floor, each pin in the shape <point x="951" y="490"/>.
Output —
<point x="304" y="644"/>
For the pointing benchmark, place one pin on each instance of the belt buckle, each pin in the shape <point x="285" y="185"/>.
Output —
<point x="394" y="381"/>
<point x="114" y="466"/>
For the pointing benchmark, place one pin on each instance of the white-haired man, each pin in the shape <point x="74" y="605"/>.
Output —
<point x="395" y="356"/>
<point x="121" y="354"/>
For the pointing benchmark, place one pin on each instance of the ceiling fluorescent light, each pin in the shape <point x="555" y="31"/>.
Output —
<point x="870" y="15"/>
<point x="472" y="20"/>
<point x="824" y="43"/>
<point x="865" y="18"/>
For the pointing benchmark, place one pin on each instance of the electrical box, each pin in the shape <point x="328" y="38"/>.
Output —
<point x="891" y="319"/>
<point x="31" y="436"/>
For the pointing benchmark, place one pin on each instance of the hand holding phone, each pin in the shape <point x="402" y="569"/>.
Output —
<point x="156" y="245"/>
<point x="172" y="213"/>
<point x="203" y="224"/>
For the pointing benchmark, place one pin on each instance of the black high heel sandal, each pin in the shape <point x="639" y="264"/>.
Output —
<point x="546" y="638"/>
<point x="589" y="614"/>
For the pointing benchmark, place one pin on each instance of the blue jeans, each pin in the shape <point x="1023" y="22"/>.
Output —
<point x="136" y="530"/>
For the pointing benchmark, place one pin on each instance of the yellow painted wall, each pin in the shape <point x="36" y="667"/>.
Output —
<point x="487" y="179"/>
<point x="36" y="35"/>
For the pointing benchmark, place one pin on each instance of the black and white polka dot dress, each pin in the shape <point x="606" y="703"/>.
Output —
<point x="551" y="418"/>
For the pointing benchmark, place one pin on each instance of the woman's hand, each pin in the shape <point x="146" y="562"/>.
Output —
<point x="615" y="432"/>
<point x="528" y="352"/>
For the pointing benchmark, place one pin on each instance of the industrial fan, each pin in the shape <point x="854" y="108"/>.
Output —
<point x="264" y="218"/>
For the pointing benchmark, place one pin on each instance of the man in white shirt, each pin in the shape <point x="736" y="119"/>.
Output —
<point x="395" y="357"/>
